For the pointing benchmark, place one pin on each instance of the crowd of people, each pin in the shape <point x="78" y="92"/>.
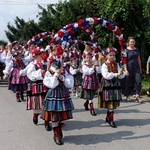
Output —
<point x="51" y="75"/>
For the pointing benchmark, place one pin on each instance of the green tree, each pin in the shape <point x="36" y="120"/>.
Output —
<point x="2" y="42"/>
<point x="131" y="16"/>
<point x="22" y="30"/>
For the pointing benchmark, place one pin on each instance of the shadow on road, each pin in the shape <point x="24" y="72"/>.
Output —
<point x="97" y="138"/>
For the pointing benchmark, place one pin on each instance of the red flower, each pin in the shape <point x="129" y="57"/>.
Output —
<point x="118" y="31"/>
<point x="71" y="31"/>
<point x="96" y="56"/>
<point x="80" y="22"/>
<point x="59" y="51"/>
<point x="60" y="33"/>
<point x="111" y="27"/>
<point x="95" y="20"/>
<point x="53" y="41"/>
<point x="51" y="59"/>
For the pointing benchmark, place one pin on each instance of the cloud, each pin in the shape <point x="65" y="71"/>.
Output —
<point x="26" y="9"/>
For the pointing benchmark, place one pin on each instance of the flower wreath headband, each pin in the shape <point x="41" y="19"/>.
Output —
<point x="110" y="49"/>
<point x="64" y="34"/>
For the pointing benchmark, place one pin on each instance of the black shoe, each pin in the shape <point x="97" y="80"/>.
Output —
<point x="112" y="124"/>
<point x="18" y="100"/>
<point x="93" y="112"/>
<point x="58" y="142"/>
<point x="86" y="106"/>
<point x="107" y="120"/>
<point x="22" y="99"/>
<point x="48" y="128"/>
<point x="35" y="121"/>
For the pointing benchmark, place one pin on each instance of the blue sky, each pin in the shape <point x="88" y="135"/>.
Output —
<point x="24" y="9"/>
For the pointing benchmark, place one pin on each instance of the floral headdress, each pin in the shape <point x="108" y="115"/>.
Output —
<point x="16" y="53"/>
<point x="110" y="49"/>
<point x="36" y="51"/>
<point x="57" y="58"/>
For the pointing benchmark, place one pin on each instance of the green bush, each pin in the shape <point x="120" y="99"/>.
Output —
<point x="145" y="84"/>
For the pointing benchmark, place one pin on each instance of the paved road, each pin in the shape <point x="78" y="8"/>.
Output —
<point x="83" y="132"/>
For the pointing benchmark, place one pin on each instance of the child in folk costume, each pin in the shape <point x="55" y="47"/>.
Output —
<point x="90" y="82"/>
<point x="98" y="57"/>
<point x="2" y="60"/>
<point x="66" y="60"/>
<point x="58" y="104"/>
<point x="87" y="49"/>
<point x="11" y="47"/>
<point x="18" y="83"/>
<point x="37" y="91"/>
<point x="76" y="71"/>
<point x="27" y="55"/>
<point x="110" y="94"/>
<point x="148" y="72"/>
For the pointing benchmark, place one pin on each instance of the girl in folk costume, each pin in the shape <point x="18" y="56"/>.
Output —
<point x="87" y="49"/>
<point x="58" y="104"/>
<point x="2" y="60"/>
<point x="90" y="82"/>
<point x="18" y="83"/>
<point x="76" y="71"/>
<point x="98" y="57"/>
<point x="11" y="47"/>
<point x="37" y="91"/>
<point x="28" y="52"/>
<point x="5" y="52"/>
<point x="66" y="60"/>
<point x="110" y="94"/>
<point x="148" y="73"/>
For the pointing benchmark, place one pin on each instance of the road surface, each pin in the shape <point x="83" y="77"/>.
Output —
<point x="83" y="132"/>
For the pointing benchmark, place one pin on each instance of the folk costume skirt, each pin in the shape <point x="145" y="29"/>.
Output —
<point x="18" y="83"/>
<point x="89" y="87"/>
<point x="58" y="104"/>
<point x="110" y="94"/>
<point x="35" y="95"/>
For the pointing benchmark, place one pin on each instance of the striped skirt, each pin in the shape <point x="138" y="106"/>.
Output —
<point x="17" y="83"/>
<point x="87" y="94"/>
<point x="18" y="87"/>
<point x="16" y="80"/>
<point x="91" y="82"/>
<point x="58" y="104"/>
<point x="35" y="95"/>
<point x="110" y="96"/>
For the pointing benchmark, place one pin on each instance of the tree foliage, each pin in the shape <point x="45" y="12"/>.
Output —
<point x="2" y="42"/>
<point x="131" y="16"/>
<point x="22" y="30"/>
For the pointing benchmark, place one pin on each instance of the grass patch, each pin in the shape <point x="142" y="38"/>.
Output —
<point x="145" y="84"/>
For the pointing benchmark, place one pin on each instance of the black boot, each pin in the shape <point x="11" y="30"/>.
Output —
<point x="57" y="138"/>
<point x="47" y="126"/>
<point x="18" y="97"/>
<point x="86" y="105"/>
<point x="111" y="119"/>
<point x="92" y="111"/>
<point x="22" y="96"/>
<point x="35" y="118"/>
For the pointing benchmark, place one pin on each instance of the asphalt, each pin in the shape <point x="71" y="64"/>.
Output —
<point x="83" y="132"/>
